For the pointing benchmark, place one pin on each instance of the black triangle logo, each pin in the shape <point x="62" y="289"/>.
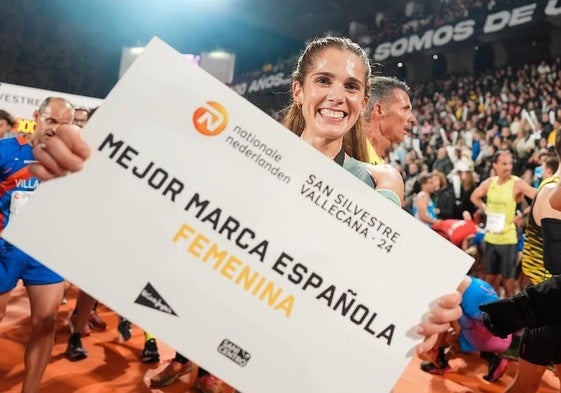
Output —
<point x="149" y="297"/>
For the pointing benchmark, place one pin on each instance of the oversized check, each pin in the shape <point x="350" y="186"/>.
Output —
<point x="210" y="225"/>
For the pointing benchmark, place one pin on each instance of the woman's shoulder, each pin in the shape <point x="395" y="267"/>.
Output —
<point x="386" y="169"/>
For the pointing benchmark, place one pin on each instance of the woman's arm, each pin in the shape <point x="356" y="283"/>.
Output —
<point x="389" y="182"/>
<point x="555" y="198"/>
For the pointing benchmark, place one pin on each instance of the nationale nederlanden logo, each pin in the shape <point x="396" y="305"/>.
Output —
<point x="211" y="119"/>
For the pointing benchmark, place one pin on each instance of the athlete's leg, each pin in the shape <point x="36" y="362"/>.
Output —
<point x="492" y="266"/>
<point x="527" y="379"/>
<point x="10" y="272"/>
<point x="79" y="327"/>
<point x="558" y="372"/>
<point x="495" y="281"/>
<point x="83" y="310"/>
<point x="508" y="255"/>
<point x="44" y="301"/>
<point x="509" y="284"/>
<point x="4" y="297"/>
<point x="538" y="349"/>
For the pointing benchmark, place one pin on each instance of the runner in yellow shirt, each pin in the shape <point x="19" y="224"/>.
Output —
<point x="502" y="193"/>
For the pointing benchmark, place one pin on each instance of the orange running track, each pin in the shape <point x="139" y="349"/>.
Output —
<point x="113" y="367"/>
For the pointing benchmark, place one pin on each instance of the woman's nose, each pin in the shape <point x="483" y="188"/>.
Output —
<point x="336" y="94"/>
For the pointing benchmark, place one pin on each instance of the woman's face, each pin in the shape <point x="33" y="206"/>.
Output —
<point x="436" y="181"/>
<point x="332" y="95"/>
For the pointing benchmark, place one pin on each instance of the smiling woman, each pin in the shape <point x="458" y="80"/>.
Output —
<point x="330" y="90"/>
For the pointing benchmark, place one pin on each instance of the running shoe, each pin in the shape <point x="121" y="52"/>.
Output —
<point x="496" y="370"/>
<point x="95" y="322"/>
<point x="150" y="352"/>
<point x="170" y="374"/>
<point x="124" y="329"/>
<point x="432" y="368"/>
<point x="211" y="384"/>
<point x="75" y="351"/>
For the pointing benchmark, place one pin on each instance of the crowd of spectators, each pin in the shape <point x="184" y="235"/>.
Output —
<point x="464" y="120"/>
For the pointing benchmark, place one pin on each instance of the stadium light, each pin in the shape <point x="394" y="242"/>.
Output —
<point x="219" y="54"/>
<point x="220" y="64"/>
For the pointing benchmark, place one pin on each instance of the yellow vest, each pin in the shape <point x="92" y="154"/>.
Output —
<point x="532" y="254"/>
<point x="500" y="200"/>
<point x="551" y="138"/>
<point x="373" y="157"/>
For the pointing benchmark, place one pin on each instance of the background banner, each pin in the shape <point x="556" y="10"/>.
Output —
<point x="21" y="101"/>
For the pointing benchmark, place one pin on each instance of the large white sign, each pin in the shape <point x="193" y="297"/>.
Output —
<point x="210" y="225"/>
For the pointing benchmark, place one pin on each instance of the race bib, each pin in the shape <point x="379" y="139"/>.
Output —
<point x="18" y="200"/>
<point x="495" y="222"/>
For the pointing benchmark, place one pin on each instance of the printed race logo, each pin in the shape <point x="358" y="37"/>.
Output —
<point x="150" y="298"/>
<point x="234" y="352"/>
<point x="211" y="119"/>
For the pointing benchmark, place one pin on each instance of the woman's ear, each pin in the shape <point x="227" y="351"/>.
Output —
<point x="365" y="103"/>
<point x="297" y="93"/>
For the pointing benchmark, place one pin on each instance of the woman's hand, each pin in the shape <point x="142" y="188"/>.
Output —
<point x="446" y="311"/>
<point x="60" y="154"/>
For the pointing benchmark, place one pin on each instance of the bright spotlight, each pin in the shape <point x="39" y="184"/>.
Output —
<point x="219" y="54"/>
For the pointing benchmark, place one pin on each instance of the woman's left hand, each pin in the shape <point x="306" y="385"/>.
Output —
<point x="447" y="310"/>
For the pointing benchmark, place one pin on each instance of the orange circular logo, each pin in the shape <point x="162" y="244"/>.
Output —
<point x="211" y="119"/>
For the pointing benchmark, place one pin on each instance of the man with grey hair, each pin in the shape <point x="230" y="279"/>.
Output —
<point x="44" y="287"/>
<point x="390" y="116"/>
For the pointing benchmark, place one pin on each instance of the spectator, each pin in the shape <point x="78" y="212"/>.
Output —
<point x="467" y="186"/>
<point x="443" y="196"/>
<point x="411" y="185"/>
<point x="423" y="205"/>
<point x="7" y="124"/>
<point x="442" y="163"/>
